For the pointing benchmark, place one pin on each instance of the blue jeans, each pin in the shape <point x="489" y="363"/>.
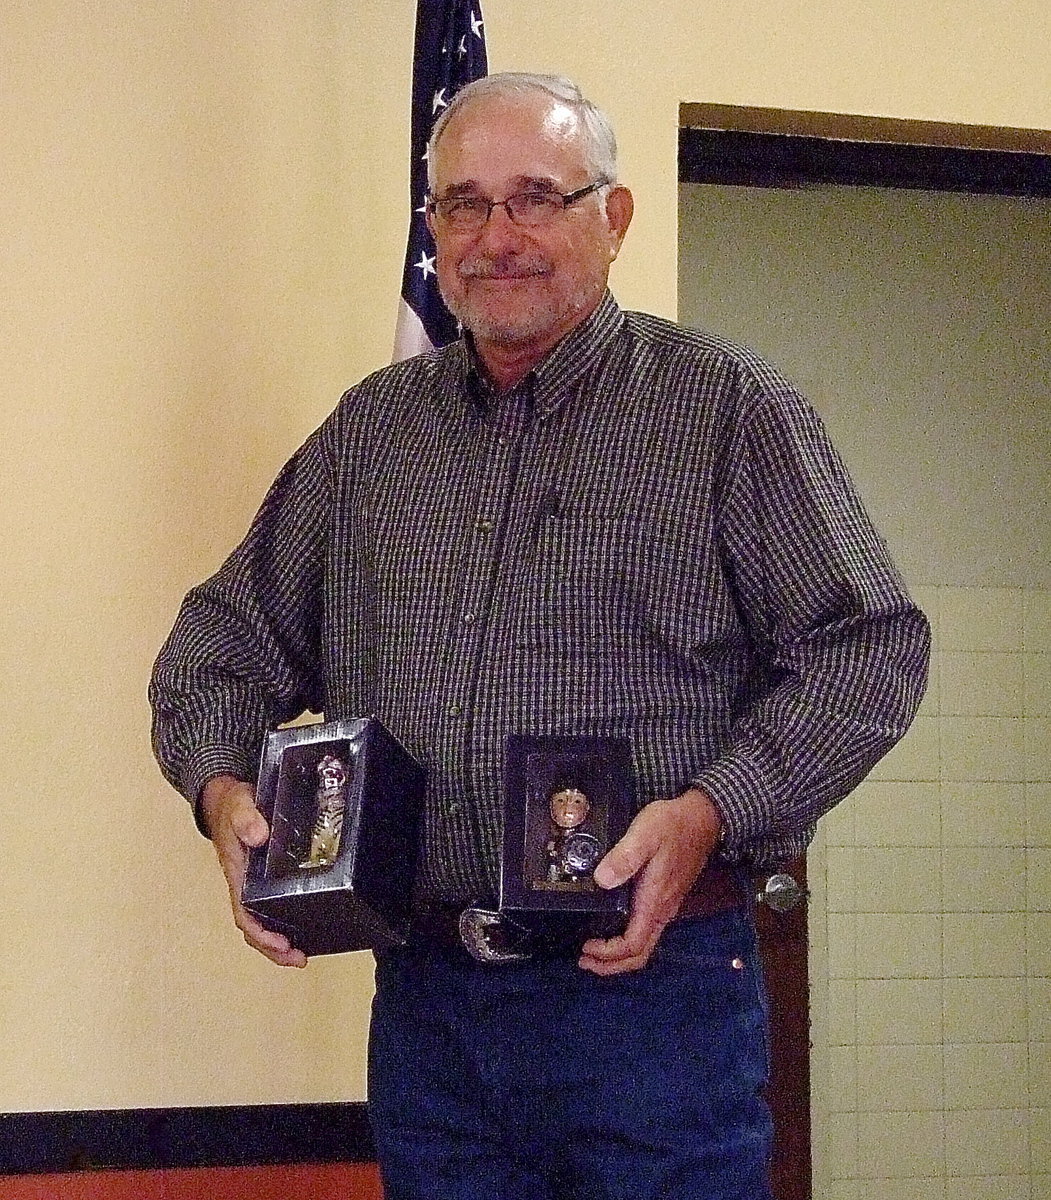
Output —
<point x="544" y="1082"/>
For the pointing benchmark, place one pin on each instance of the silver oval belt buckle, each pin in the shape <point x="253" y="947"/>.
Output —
<point x="491" y="937"/>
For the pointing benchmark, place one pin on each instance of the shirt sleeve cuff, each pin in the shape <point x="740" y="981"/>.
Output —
<point x="741" y="793"/>
<point x="207" y="763"/>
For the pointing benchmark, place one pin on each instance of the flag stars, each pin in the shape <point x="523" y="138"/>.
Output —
<point x="449" y="54"/>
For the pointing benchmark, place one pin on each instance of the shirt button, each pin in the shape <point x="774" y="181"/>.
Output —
<point x="502" y="441"/>
<point x="468" y="618"/>
<point x="483" y="526"/>
<point x="455" y="710"/>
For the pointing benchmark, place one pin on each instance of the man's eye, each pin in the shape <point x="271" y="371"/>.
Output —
<point x="464" y="206"/>
<point x="537" y="202"/>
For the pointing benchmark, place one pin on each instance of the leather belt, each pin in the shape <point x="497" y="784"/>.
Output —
<point x="717" y="889"/>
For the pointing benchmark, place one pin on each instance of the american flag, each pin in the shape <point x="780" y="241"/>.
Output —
<point x="450" y="51"/>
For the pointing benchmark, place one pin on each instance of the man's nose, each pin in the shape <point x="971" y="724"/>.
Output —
<point x="500" y="230"/>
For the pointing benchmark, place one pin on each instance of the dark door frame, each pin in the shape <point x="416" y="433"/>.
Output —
<point x="772" y="147"/>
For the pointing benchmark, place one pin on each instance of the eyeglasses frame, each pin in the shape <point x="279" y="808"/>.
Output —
<point x="567" y="199"/>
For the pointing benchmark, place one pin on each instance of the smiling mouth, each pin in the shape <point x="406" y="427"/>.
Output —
<point x="503" y="272"/>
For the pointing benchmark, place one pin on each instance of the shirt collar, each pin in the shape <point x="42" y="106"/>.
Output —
<point x="576" y="353"/>
<point x="553" y="379"/>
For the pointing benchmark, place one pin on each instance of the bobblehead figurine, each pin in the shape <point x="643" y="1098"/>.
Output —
<point x="571" y="854"/>
<point x="331" y="801"/>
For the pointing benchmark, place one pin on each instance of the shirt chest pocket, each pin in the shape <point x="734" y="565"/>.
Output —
<point x="624" y="577"/>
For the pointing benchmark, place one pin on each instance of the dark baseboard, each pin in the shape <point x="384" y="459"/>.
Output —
<point x="160" y="1138"/>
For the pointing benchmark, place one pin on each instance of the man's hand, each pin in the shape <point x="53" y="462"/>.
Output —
<point x="235" y="824"/>
<point x="664" y="850"/>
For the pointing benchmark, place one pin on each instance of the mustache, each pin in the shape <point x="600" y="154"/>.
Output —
<point x="504" y="266"/>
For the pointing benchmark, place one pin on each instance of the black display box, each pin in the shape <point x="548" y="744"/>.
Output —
<point x="567" y="800"/>
<point x="344" y="801"/>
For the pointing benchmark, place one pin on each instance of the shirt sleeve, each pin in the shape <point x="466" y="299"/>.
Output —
<point x="843" y="651"/>
<point x="244" y="654"/>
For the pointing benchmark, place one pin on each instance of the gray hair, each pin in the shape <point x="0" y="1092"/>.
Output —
<point x="599" y="141"/>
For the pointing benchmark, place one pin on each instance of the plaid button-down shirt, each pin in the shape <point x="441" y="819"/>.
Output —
<point x="650" y="537"/>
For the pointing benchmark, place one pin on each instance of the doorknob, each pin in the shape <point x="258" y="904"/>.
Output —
<point x="781" y="893"/>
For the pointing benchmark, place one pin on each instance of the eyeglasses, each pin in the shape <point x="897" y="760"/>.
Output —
<point x="467" y="214"/>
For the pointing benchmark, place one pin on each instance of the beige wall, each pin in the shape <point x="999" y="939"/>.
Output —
<point x="202" y="223"/>
<point x="918" y="324"/>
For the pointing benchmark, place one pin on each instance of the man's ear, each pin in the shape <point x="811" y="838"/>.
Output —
<point x="619" y="208"/>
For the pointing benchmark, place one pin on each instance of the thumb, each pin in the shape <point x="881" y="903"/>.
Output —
<point x="249" y="824"/>
<point x="629" y="855"/>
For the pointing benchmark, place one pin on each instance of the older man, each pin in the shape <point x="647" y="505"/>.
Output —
<point x="576" y="520"/>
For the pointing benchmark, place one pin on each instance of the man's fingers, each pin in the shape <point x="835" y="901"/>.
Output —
<point x="629" y="855"/>
<point x="274" y="946"/>
<point x="628" y="952"/>
<point x="664" y="848"/>
<point x="652" y="909"/>
<point x="235" y="809"/>
<point x="236" y="826"/>
<point x="631" y="949"/>
<point x="249" y="824"/>
<point x="618" y="966"/>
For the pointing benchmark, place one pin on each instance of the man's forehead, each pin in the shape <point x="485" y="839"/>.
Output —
<point x="515" y="183"/>
<point x="549" y="116"/>
<point x="526" y="140"/>
<point x="561" y="122"/>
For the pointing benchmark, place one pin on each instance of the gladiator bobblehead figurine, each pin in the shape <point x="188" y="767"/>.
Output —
<point x="571" y="854"/>
<point x="330" y="798"/>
